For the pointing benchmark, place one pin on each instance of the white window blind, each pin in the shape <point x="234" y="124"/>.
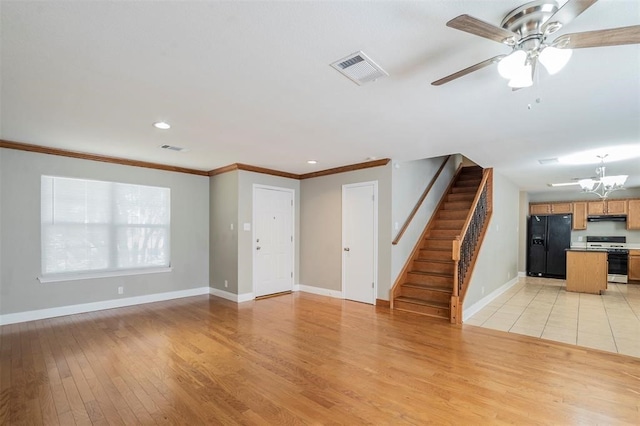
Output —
<point x="91" y="226"/>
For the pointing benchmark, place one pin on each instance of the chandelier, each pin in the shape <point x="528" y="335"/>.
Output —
<point x="604" y="185"/>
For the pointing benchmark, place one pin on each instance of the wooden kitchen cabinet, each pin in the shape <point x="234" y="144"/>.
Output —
<point x="616" y="207"/>
<point x="634" y="265"/>
<point x="595" y="208"/>
<point x="579" y="216"/>
<point x="586" y="271"/>
<point x="535" y="209"/>
<point x="550" y="208"/>
<point x="608" y="207"/>
<point x="633" y="214"/>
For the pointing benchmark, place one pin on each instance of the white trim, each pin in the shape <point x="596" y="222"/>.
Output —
<point x="238" y="298"/>
<point x="317" y="290"/>
<point x="476" y="307"/>
<point x="522" y="274"/>
<point x="373" y="183"/>
<point x="98" y="306"/>
<point x="106" y="274"/>
<point x="253" y="233"/>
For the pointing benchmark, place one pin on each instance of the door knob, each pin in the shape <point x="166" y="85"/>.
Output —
<point x="346" y="249"/>
<point x="258" y="248"/>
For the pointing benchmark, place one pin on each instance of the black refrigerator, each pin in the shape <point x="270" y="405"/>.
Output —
<point x="548" y="239"/>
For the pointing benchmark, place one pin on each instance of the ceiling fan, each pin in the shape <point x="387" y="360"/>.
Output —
<point x="526" y="30"/>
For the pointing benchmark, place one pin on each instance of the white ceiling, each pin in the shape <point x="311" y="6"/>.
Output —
<point x="250" y="82"/>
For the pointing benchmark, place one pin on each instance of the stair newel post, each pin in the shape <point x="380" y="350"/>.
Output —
<point x="455" y="297"/>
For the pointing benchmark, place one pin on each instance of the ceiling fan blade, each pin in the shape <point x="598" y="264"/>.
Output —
<point x="467" y="70"/>
<point x="598" y="38"/>
<point x="480" y="28"/>
<point x="569" y="12"/>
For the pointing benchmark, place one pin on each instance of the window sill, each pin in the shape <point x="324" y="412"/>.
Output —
<point x="107" y="274"/>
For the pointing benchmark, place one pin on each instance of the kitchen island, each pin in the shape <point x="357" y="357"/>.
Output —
<point x="586" y="271"/>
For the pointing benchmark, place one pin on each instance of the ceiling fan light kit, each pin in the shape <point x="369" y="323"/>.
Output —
<point x="526" y="29"/>
<point x="554" y="59"/>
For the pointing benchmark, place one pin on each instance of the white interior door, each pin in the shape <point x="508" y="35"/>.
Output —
<point x="272" y="240"/>
<point x="359" y="241"/>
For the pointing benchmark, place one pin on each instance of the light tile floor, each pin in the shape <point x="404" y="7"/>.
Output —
<point x="541" y="307"/>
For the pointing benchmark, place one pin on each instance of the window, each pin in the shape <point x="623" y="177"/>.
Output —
<point x="91" y="226"/>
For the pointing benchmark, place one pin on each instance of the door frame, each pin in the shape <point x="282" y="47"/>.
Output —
<point x="373" y="183"/>
<point x="253" y="232"/>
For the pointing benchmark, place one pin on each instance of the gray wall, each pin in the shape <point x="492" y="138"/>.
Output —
<point x="497" y="261"/>
<point x="409" y="180"/>
<point x="20" y="226"/>
<point x="522" y="234"/>
<point x="1" y="292"/>
<point x="223" y="247"/>
<point x="321" y="228"/>
<point x="246" y="180"/>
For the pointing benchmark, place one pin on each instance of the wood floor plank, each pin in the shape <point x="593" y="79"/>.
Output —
<point x="300" y="359"/>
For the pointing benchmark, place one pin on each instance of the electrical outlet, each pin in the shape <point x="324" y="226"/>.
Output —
<point x="226" y="284"/>
<point x="231" y="227"/>
<point x="120" y="290"/>
<point x="509" y="274"/>
<point x="482" y="289"/>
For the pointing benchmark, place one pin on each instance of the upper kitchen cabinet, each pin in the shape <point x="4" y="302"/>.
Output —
<point x="579" y="216"/>
<point x="607" y="207"/>
<point x="633" y="214"/>
<point x="550" y="208"/>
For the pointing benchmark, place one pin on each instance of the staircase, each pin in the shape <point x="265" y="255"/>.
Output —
<point x="426" y="285"/>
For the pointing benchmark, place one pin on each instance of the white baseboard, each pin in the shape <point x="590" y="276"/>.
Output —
<point x="522" y="274"/>
<point x="476" y="307"/>
<point x="98" y="306"/>
<point x="318" y="290"/>
<point x="238" y="298"/>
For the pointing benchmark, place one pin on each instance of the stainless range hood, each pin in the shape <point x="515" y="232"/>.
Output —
<point x="607" y="218"/>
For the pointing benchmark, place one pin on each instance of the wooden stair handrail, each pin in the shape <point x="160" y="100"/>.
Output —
<point x="416" y="248"/>
<point x="485" y="177"/>
<point x="419" y="203"/>
<point x="457" y="298"/>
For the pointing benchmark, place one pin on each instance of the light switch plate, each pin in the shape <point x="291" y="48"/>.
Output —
<point x="246" y="226"/>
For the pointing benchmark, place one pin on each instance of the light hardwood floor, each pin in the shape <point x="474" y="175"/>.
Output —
<point x="300" y="359"/>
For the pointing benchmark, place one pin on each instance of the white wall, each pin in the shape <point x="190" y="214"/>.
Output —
<point x="409" y="180"/>
<point x="20" y="173"/>
<point x="321" y="228"/>
<point x="246" y="180"/>
<point x="576" y="195"/>
<point x="497" y="262"/>
<point x="223" y="247"/>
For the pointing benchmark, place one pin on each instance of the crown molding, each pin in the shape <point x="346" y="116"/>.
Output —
<point x="332" y="171"/>
<point x="93" y="157"/>
<point x="236" y="166"/>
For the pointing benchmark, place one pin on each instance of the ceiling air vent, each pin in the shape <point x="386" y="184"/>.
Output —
<point x="173" y="148"/>
<point x="359" y="68"/>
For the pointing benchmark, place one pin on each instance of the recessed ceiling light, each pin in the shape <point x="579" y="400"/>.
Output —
<point x="162" y="125"/>
<point x="312" y="162"/>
